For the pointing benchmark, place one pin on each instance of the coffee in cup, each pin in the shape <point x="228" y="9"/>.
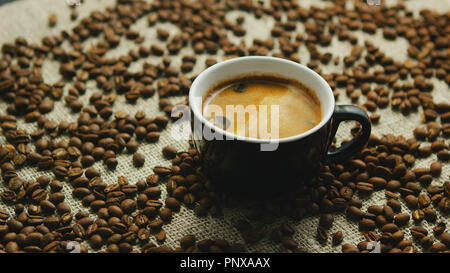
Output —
<point x="262" y="106"/>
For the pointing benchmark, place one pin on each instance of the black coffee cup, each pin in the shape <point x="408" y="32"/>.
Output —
<point x="249" y="165"/>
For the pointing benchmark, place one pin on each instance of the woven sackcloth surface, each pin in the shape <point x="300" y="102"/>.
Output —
<point x="29" y="18"/>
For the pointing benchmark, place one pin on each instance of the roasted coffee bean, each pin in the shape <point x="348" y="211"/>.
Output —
<point x="390" y="228"/>
<point x="424" y="200"/>
<point x="439" y="228"/>
<point x="418" y="232"/>
<point x="47" y="206"/>
<point x="111" y="163"/>
<point x="430" y="214"/>
<point x="367" y="224"/>
<point x="14" y="225"/>
<point x="436" y="169"/>
<point x="169" y="152"/>
<point x="393" y="185"/>
<point x="152" y="136"/>
<point x="326" y="220"/>
<point x="165" y="214"/>
<point x="418" y="215"/>
<point x="443" y="155"/>
<point x="445" y="238"/>
<point x="173" y="204"/>
<point x="412" y="201"/>
<point x="399" y="171"/>
<point x="153" y="192"/>
<point x="438" y="247"/>
<point x="337" y="238"/>
<point x="152" y="180"/>
<point x="96" y="241"/>
<point x="354" y="213"/>
<point x="179" y="192"/>
<point x="4" y="215"/>
<point x="11" y="247"/>
<point x="289" y="243"/>
<point x="160" y="236"/>
<point x="115" y="211"/>
<point x="38" y="195"/>
<point x="52" y="20"/>
<point x="132" y="146"/>
<point x="398" y="236"/>
<point x="138" y="160"/>
<point x="189" y="199"/>
<point x="409" y="159"/>
<point x="378" y="182"/>
<point x="322" y="236"/>
<point x="346" y="192"/>
<point x="162" y="171"/>
<point x="128" y="205"/>
<point x="388" y="212"/>
<point x="187" y="241"/>
<point x="348" y="248"/>
<point x="409" y="249"/>
<point x="364" y="188"/>
<point x="404" y="243"/>
<point x="401" y="219"/>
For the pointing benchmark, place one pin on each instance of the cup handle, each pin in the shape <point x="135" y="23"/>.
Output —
<point x="342" y="113"/>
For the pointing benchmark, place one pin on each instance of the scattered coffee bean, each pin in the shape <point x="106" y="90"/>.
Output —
<point x="101" y="132"/>
<point x="169" y="152"/>
<point x="52" y="20"/>
<point x="436" y="169"/>
<point x="326" y="220"/>
<point x="138" y="160"/>
<point x="401" y="219"/>
<point x="367" y="224"/>
<point x="418" y="232"/>
<point x="187" y="241"/>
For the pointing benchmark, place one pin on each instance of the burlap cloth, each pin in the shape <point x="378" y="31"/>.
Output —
<point x="29" y="18"/>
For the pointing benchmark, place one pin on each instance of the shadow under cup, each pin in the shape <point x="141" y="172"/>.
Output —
<point x="259" y="168"/>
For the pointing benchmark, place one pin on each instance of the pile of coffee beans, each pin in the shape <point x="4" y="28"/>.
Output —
<point x="384" y="164"/>
<point x="129" y="216"/>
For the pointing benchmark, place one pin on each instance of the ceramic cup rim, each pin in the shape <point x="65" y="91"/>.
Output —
<point x="196" y="107"/>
